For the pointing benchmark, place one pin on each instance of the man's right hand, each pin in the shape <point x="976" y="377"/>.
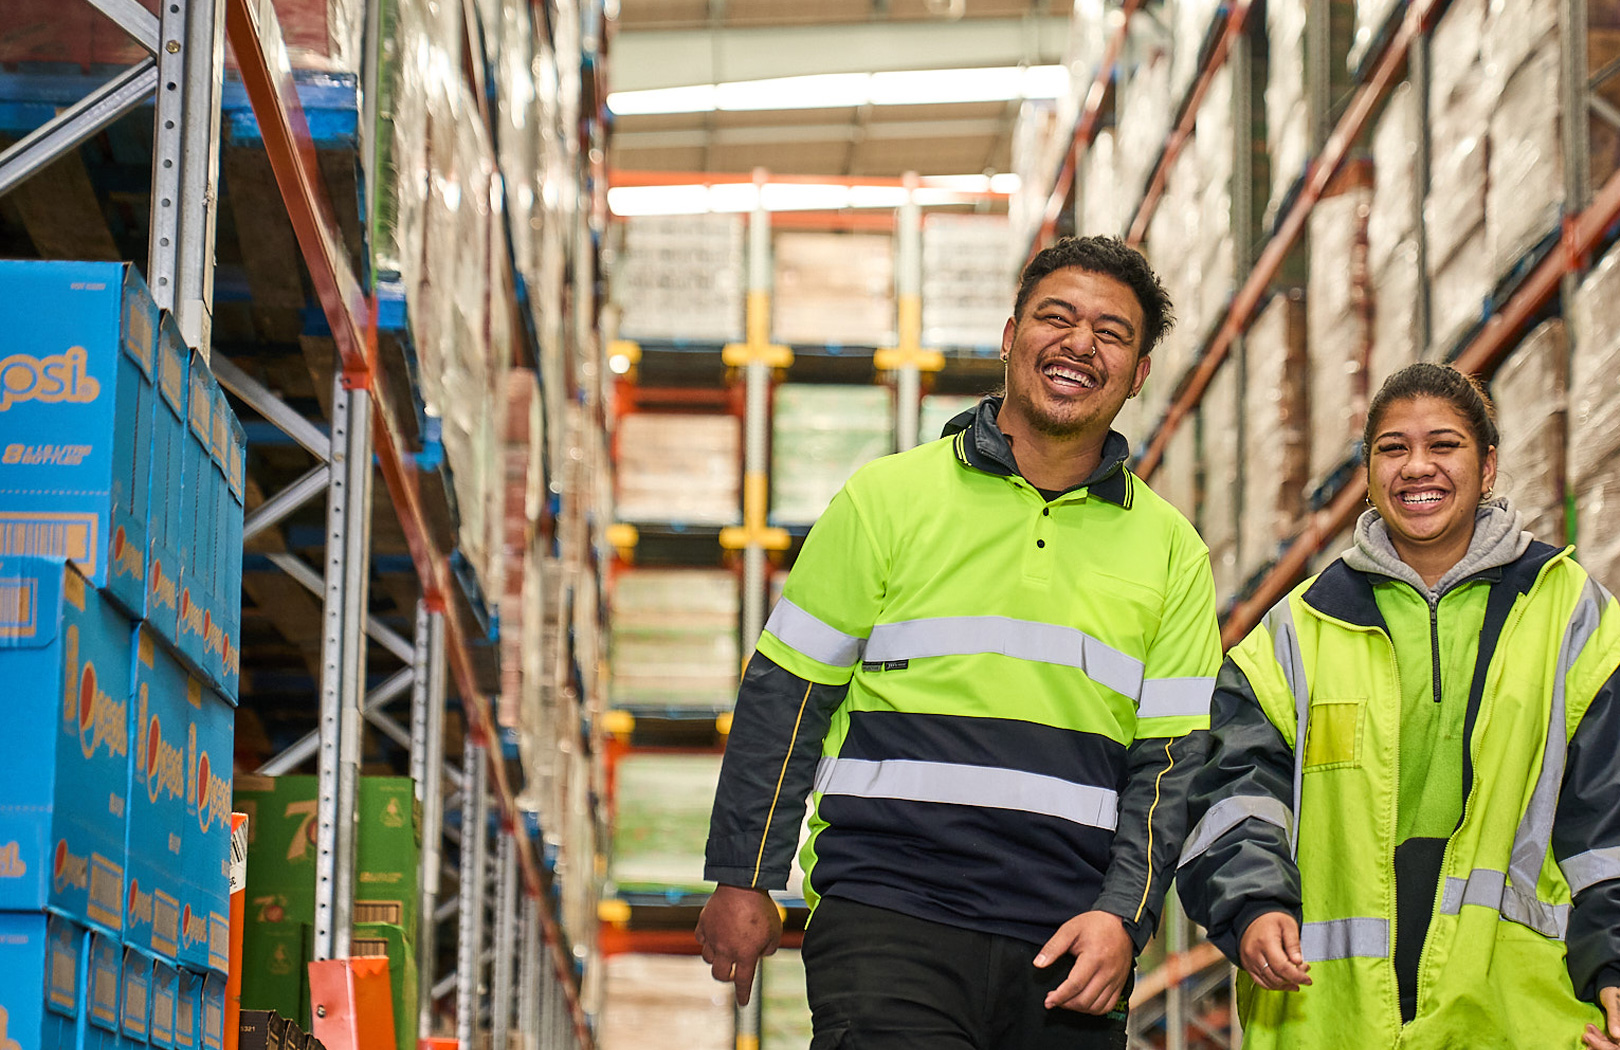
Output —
<point x="737" y="927"/>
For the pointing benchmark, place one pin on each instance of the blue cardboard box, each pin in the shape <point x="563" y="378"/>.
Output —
<point x="76" y="406"/>
<point x="236" y="483"/>
<point x="41" y="980"/>
<point x="206" y="915"/>
<point x="155" y="869"/>
<point x="64" y="653"/>
<point x="211" y="1012"/>
<point x="100" y="1030"/>
<point x="135" y="999"/>
<point x="196" y="525"/>
<point x="187" y="1001"/>
<point x="167" y="500"/>
<point x="165" y="997"/>
<point x="222" y="636"/>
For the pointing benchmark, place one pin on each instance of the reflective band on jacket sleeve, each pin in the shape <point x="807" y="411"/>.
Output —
<point x="1279" y="623"/>
<point x="1592" y="867"/>
<point x="1228" y="813"/>
<point x="1175" y="697"/>
<point x="1019" y="639"/>
<point x="1487" y="888"/>
<point x="800" y="631"/>
<point x="1344" y="939"/>
<point x="1533" y="840"/>
<point x="966" y="785"/>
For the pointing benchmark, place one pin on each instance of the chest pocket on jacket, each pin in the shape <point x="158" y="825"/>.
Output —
<point x="1333" y="737"/>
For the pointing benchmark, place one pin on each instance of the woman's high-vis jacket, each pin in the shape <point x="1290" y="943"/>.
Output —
<point x="995" y="700"/>
<point x="1296" y="811"/>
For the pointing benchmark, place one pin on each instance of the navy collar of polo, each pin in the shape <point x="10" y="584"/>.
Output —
<point x="986" y="448"/>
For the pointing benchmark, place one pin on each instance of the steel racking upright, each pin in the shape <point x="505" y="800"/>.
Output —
<point x="184" y="69"/>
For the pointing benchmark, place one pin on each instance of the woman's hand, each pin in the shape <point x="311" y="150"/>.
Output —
<point x="1607" y="1038"/>
<point x="1270" y="954"/>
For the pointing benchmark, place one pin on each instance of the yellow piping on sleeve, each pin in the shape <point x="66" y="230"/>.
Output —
<point x="1148" y="884"/>
<point x="765" y="834"/>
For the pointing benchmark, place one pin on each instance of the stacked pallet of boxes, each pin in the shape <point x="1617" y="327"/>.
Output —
<point x="681" y="279"/>
<point x="673" y="641"/>
<point x="1338" y="326"/>
<point x="280" y="903"/>
<point x="120" y="569"/>
<point x="1394" y="270"/>
<point x="966" y="282"/>
<point x="820" y="435"/>
<point x="1593" y="461"/>
<point x="1276" y="433"/>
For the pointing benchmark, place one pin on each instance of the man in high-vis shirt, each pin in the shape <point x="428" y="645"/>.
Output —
<point x="990" y="670"/>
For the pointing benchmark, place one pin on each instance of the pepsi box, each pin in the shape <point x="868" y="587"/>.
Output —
<point x="76" y="417"/>
<point x="64" y="654"/>
<point x="196" y="535"/>
<point x="167" y="491"/>
<point x="41" y="979"/>
<point x="156" y="834"/>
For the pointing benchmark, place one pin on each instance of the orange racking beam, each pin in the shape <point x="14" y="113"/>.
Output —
<point x="1483" y="353"/>
<point x="616" y="940"/>
<point x="1178" y="138"/>
<point x="1419" y="20"/>
<point x="255" y="38"/>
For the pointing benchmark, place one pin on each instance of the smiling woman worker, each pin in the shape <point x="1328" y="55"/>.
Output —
<point x="1417" y="756"/>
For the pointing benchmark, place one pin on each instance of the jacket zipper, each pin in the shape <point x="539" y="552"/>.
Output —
<point x="1434" y="642"/>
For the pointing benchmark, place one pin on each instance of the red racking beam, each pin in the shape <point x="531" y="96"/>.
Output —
<point x="1178" y="138"/>
<point x="1481" y="356"/>
<point x="1418" y="21"/>
<point x="1085" y="129"/>
<point x="255" y="37"/>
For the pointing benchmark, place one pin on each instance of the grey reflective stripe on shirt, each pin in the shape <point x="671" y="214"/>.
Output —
<point x="1019" y="639"/>
<point x="1344" y="939"/>
<point x="1587" y="869"/>
<point x="967" y="785"/>
<point x="1279" y="623"/>
<point x="1488" y="888"/>
<point x="805" y="634"/>
<point x="1228" y="813"/>
<point x="1175" y="697"/>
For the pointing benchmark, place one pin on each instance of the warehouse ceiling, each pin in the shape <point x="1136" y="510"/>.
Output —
<point x="679" y="43"/>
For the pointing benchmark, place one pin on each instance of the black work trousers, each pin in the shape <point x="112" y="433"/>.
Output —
<point x="879" y="980"/>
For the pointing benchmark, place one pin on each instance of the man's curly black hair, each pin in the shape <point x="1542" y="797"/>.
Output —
<point x="1110" y="257"/>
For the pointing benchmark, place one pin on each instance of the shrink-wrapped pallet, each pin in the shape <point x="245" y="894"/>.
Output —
<point x="1145" y="114"/>
<point x="1529" y="391"/>
<point x="1176" y="478"/>
<point x="1372" y="16"/>
<point x="1337" y="330"/>
<point x="661" y="808"/>
<point x="673" y="639"/>
<point x="820" y="435"/>
<point x="1393" y="222"/>
<point x="1396" y="338"/>
<point x="1189" y="28"/>
<point x="833" y="289"/>
<point x="937" y="410"/>
<point x="1525" y="188"/>
<point x="1287" y="109"/>
<point x="1276" y="431"/>
<point x="1593" y="462"/>
<point x="679" y="468"/>
<point x="664" y="1000"/>
<point x="1218" y="512"/>
<point x="681" y="277"/>
<point x="967" y="286"/>
<point x="785" y="1013"/>
<point x="1213" y="149"/>
<point x="1102" y="203"/>
<point x="1458" y="293"/>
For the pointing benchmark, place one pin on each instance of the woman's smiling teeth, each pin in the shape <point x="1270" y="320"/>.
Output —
<point x="1422" y="497"/>
<point x="1063" y="376"/>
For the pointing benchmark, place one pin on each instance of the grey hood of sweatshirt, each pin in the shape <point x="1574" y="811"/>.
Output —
<point x="1499" y="539"/>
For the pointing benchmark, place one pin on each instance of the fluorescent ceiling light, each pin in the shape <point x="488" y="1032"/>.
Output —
<point x="848" y="90"/>
<point x="737" y="197"/>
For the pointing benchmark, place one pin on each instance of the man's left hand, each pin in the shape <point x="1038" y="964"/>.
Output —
<point x="1609" y="1037"/>
<point x="1103" y="955"/>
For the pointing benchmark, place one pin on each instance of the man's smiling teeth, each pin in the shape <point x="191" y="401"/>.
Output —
<point x="1070" y="375"/>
